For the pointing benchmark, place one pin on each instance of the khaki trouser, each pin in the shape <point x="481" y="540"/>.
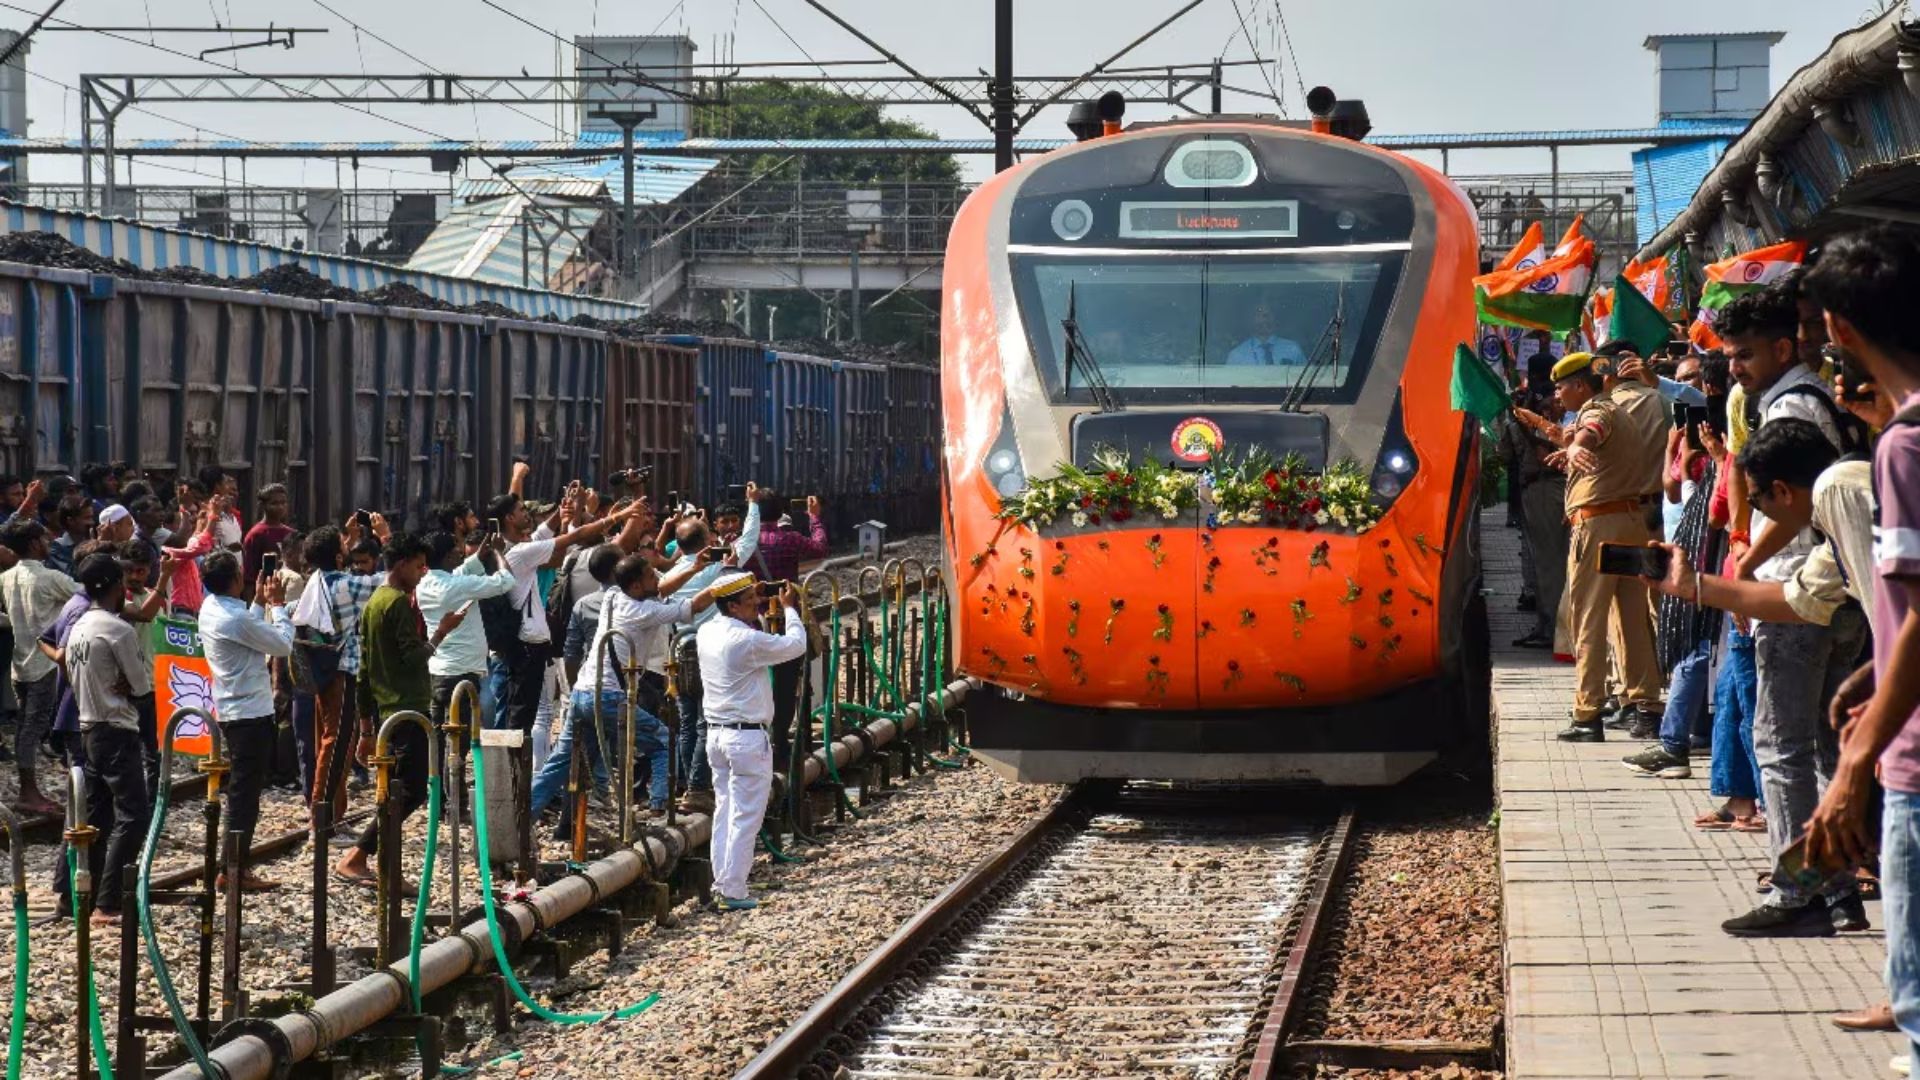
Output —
<point x="1594" y="596"/>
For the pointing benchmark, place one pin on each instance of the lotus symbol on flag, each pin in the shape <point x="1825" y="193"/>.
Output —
<point x="191" y="690"/>
<point x="1546" y="284"/>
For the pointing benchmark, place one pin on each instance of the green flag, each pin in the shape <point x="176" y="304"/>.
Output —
<point x="1636" y="319"/>
<point x="1476" y="389"/>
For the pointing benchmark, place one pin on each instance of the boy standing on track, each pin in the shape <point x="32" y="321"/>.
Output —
<point x="735" y="658"/>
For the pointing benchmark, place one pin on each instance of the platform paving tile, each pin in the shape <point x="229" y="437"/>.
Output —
<point x="1616" y="964"/>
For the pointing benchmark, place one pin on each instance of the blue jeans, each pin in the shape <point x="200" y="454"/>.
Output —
<point x="650" y="741"/>
<point x="1736" y="773"/>
<point x="693" y="744"/>
<point x="551" y="778"/>
<point x="1686" y="698"/>
<point x="493" y="694"/>
<point x="1899" y="882"/>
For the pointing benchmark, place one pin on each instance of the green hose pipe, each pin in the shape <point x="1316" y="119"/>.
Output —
<point x="493" y="920"/>
<point x="22" y="950"/>
<point x="102" y="1060"/>
<point x="216" y="768"/>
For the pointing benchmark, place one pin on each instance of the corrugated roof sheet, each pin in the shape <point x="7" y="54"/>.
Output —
<point x="155" y="247"/>
<point x="657" y="142"/>
<point x="656" y="179"/>
<point x="1664" y="180"/>
<point x="506" y="239"/>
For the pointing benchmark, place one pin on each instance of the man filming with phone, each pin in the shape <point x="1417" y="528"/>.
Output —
<point x="697" y="545"/>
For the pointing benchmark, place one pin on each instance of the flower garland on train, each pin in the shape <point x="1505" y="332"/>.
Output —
<point x="1257" y="489"/>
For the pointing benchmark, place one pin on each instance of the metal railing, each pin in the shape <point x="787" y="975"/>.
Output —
<point x="798" y="218"/>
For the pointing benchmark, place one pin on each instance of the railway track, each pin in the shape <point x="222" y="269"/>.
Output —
<point x="1143" y="931"/>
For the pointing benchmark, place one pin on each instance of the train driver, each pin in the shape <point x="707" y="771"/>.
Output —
<point x="1266" y="346"/>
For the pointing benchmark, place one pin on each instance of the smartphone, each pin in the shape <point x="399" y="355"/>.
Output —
<point x="1793" y="866"/>
<point x="493" y="526"/>
<point x="1634" y="560"/>
<point x="769" y="588"/>
<point x="736" y="492"/>
<point x="713" y="554"/>
<point x="1690" y="418"/>
<point x="797" y="508"/>
<point x="363" y="519"/>
<point x="1852" y="376"/>
<point x="269" y="564"/>
<point x="673" y="502"/>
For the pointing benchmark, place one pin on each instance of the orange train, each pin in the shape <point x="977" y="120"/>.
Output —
<point x="1215" y="297"/>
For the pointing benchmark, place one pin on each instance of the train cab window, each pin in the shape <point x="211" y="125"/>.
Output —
<point x="1176" y="327"/>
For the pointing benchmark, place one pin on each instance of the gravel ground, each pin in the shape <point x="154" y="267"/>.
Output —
<point x="731" y="983"/>
<point x="765" y="967"/>
<point x="1415" y="948"/>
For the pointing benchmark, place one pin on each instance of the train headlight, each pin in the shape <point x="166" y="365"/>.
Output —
<point x="1004" y="470"/>
<point x="1211" y="163"/>
<point x="1072" y="219"/>
<point x="1397" y="463"/>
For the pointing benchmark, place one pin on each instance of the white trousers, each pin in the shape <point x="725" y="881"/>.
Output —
<point x="742" y="762"/>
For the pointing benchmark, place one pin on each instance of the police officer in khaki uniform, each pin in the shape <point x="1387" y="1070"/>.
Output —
<point x="1613" y="457"/>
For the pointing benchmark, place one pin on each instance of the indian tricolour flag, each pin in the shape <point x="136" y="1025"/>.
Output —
<point x="1599" y="316"/>
<point x="1736" y="276"/>
<point x="1538" y="290"/>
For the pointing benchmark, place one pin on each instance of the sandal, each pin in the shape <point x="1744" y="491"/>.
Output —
<point x="1754" y="824"/>
<point x="1721" y="818"/>
<point x="366" y="882"/>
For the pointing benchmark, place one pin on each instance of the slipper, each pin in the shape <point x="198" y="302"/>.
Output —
<point x="351" y="879"/>
<point x="1754" y="824"/>
<point x="1721" y="818"/>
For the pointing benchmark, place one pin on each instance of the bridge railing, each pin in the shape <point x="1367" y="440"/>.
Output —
<point x="797" y="219"/>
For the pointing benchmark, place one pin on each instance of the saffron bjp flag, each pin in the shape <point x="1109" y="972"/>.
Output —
<point x="1534" y="290"/>
<point x="182" y="679"/>
<point x="1653" y="281"/>
<point x="1599" y="317"/>
<point x="1736" y="276"/>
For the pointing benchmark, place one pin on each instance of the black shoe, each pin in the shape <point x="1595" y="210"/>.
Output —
<point x="1644" y="725"/>
<point x="1533" y="641"/>
<point x="1655" y="761"/>
<point x="1527" y="602"/>
<point x="1849" y="914"/>
<point x="1808" y="920"/>
<point x="1514" y="522"/>
<point x="1578" y="732"/>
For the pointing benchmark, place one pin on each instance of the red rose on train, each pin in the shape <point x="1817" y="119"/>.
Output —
<point x="1314" y="504"/>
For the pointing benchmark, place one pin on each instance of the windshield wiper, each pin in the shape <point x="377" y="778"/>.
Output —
<point x="1330" y="336"/>
<point x="1078" y="352"/>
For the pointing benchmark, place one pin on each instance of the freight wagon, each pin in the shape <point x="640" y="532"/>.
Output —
<point x="394" y="409"/>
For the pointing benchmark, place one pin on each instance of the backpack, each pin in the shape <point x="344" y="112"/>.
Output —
<point x="560" y="600"/>
<point x="500" y="617"/>
<point x="1855" y="439"/>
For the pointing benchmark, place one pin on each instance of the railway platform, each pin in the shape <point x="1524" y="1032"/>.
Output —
<point x="1616" y="965"/>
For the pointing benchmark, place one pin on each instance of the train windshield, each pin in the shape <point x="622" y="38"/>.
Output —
<point x="1215" y="327"/>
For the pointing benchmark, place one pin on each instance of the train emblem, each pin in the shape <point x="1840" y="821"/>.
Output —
<point x="1196" y="439"/>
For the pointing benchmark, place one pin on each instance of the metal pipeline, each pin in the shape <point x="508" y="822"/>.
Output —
<point x="357" y="1006"/>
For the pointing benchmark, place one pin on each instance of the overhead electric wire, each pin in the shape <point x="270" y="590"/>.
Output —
<point x="638" y="76"/>
<point x="1292" y="58"/>
<point x="1255" y="49"/>
<point x="795" y="42"/>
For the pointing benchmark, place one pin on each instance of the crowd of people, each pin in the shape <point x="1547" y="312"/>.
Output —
<point x="314" y="637"/>
<point x="1761" y="609"/>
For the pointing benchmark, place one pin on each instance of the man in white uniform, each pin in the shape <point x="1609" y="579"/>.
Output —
<point x="736" y="658"/>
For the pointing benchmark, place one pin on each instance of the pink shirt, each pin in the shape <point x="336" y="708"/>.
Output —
<point x="188" y="593"/>
<point x="1896" y="564"/>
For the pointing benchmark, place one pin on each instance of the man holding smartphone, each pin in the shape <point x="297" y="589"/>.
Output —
<point x="453" y="581"/>
<point x="797" y="537"/>
<point x="697" y="546"/>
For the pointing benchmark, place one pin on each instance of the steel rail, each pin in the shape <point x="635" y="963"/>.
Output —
<point x="788" y="1053"/>
<point x="1283" y="1014"/>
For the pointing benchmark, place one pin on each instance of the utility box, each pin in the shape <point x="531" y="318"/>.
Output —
<point x="1714" y="76"/>
<point x="613" y="68"/>
<point x="873" y="538"/>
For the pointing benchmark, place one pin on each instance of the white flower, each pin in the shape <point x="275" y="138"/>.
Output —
<point x="1168" y="513"/>
<point x="1320" y="518"/>
<point x="1250" y="517"/>
<point x="1079" y="519"/>
<point x="1340" y="513"/>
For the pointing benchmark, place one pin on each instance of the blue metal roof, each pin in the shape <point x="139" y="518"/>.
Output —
<point x="677" y="142"/>
<point x="656" y="179"/>
<point x="1665" y="179"/>
<point x="154" y="247"/>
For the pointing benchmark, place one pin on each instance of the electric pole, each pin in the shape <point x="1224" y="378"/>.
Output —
<point x="1002" y="89"/>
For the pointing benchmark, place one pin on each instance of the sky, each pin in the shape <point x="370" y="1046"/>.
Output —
<point x="1422" y="66"/>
